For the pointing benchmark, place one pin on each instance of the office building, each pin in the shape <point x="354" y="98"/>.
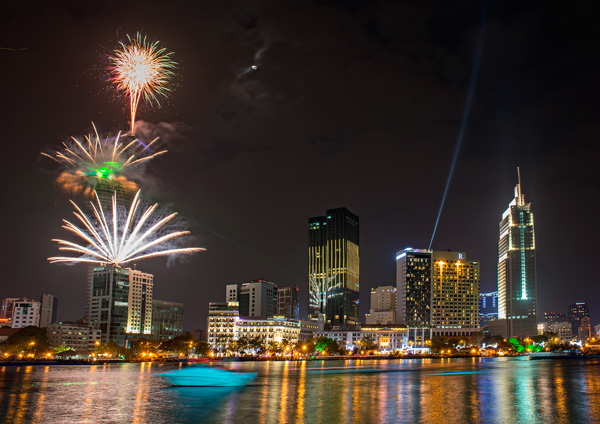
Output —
<point x="77" y="336"/>
<point x="438" y="290"/>
<point x="577" y="311"/>
<point x="488" y="308"/>
<point x="413" y="283"/>
<point x="288" y="305"/>
<point x="139" y="313"/>
<point x="333" y="267"/>
<point x="257" y="298"/>
<point x="383" y="306"/>
<point x="25" y="313"/>
<point x="120" y="303"/>
<point x="167" y="319"/>
<point x="49" y="310"/>
<point x="517" y="287"/>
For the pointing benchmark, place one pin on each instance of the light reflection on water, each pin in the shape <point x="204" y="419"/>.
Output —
<point x="433" y="391"/>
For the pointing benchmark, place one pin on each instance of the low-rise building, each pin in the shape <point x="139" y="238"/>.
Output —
<point x="79" y="337"/>
<point x="25" y="313"/>
<point x="563" y="330"/>
<point x="268" y="329"/>
<point x="387" y="338"/>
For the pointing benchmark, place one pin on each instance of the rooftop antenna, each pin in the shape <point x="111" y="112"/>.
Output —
<point x="520" y="201"/>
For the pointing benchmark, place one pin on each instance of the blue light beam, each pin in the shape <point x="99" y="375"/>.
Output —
<point x="463" y="125"/>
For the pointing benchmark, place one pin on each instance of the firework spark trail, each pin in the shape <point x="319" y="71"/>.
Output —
<point x="113" y="159"/>
<point x="139" y="69"/>
<point x="120" y="236"/>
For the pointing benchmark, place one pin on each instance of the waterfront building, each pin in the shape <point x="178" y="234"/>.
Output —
<point x="383" y="306"/>
<point x="577" y="311"/>
<point x="25" y="313"/>
<point x="309" y="329"/>
<point x="77" y="336"/>
<point x="288" y="305"/>
<point x="488" y="308"/>
<point x="517" y="287"/>
<point x="268" y="329"/>
<point x="139" y="312"/>
<point x="119" y="302"/>
<point x="222" y="317"/>
<point x="585" y="332"/>
<point x="49" y="305"/>
<point x="413" y="282"/>
<point x="167" y="319"/>
<point x="333" y="267"/>
<point x="438" y="290"/>
<point x="387" y="338"/>
<point x="563" y="330"/>
<point x="349" y="339"/>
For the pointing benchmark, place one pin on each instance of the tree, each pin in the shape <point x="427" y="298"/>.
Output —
<point x="257" y="343"/>
<point x="202" y="348"/>
<point x="367" y="343"/>
<point x="27" y="341"/>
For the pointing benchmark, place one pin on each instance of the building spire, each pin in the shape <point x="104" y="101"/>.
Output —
<point x="519" y="193"/>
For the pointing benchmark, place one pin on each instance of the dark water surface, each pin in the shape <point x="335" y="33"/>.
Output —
<point x="501" y="390"/>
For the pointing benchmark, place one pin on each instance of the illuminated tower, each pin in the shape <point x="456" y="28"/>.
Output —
<point x="333" y="267"/>
<point x="517" y="288"/>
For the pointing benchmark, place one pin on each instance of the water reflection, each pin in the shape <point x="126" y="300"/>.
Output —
<point x="432" y="391"/>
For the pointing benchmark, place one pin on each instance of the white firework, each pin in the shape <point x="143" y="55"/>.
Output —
<point x="121" y="236"/>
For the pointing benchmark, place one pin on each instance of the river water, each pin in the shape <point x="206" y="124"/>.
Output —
<point x="466" y="390"/>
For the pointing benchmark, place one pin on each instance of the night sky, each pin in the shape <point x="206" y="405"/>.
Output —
<point x="353" y="103"/>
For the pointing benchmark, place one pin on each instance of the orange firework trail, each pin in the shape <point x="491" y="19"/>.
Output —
<point x="139" y="69"/>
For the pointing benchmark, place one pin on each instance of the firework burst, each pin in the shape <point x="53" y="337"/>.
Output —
<point x="113" y="160"/>
<point x="119" y="236"/>
<point x="140" y="69"/>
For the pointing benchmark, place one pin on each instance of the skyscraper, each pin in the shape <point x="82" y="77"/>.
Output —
<point x="438" y="290"/>
<point x="488" y="308"/>
<point x="287" y="302"/>
<point x="517" y="288"/>
<point x="333" y="267"/>
<point x="120" y="302"/>
<point x="383" y="306"/>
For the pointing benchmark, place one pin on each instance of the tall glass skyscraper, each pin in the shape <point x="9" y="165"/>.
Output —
<point x="333" y="267"/>
<point x="517" y="288"/>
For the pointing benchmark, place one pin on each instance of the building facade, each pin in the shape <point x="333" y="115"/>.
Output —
<point x="49" y="311"/>
<point x="222" y="317"/>
<point x="119" y="302"/>
<point x="488" y="308"/>
<point x="438" y="290"/>
<point x="25" y="313"/>
<point x="167" y="319"/>
<point x="268" y="329"/>
<point x="79" y="337"/>
<point x="139" y="312"/>
<point x="577" y="311"/>
<point x="383" y="306"/>
<point x="333" y="267"/>
<point x="288" y="305"/>
<point x="6" y="309"/>
<point x="517" y="286"/>
<point x="413" y="283"/>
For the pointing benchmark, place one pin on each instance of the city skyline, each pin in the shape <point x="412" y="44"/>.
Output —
<point x="320" y="123"/>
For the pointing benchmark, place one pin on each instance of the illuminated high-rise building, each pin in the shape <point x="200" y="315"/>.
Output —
<point x="333" y="267"/>
<point x="119" y="302"/>
<point x="517" y="288"/>
<point x="49" y="310"/>
<point x="438" y="290"/>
